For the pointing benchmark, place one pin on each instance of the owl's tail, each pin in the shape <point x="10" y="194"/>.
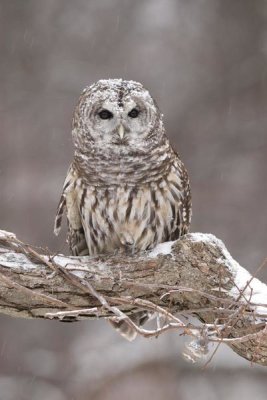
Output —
<point x="125" y="330"/>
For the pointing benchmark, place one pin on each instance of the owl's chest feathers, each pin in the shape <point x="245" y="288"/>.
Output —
<point x="133" y="201"/>
<point x="107" y="168"/>
<point x="139" y="215"/>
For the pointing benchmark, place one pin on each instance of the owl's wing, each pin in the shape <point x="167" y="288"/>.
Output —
<point x="186" y="212"/>
<point x="69" y="203"/>
<point x="62" y="202"/>
<point x="183" y="198"/>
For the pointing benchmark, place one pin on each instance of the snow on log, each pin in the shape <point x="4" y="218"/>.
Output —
<point x="194" y="276"/>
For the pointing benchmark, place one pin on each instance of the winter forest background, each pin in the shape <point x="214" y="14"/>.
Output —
<point x="205" y="62"/>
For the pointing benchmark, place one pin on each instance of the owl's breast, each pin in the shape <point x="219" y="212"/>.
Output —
<point x="136" y="217"/>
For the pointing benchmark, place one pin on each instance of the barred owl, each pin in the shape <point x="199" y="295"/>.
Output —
<point x="126" y="188"/>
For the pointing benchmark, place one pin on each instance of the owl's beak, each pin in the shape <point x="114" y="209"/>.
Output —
<point x="121" y="131"/>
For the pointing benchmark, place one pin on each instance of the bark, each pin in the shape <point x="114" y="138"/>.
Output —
<point x="192" y="276"/>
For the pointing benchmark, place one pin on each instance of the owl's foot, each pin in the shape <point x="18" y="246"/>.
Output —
<point x="128" y="243"/>
<point x="130" y="249"/>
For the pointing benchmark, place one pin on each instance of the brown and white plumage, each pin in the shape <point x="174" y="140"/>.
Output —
<point x="126" y="187"/>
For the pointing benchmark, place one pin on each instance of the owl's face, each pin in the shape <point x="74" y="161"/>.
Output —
<point x="118" y="115"/>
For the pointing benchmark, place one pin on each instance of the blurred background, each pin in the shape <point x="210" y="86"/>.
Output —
<point x="205" y="62"/>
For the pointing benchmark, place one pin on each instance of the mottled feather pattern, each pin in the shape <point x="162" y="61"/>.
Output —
<point x="126" y="189"/>
<point x="69" y="201"/>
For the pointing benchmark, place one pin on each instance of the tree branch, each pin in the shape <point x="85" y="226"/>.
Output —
<point x="194" y="276"/>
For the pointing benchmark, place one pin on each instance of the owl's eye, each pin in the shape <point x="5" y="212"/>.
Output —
<point x="133" y="113"/>
<point x="105" y="114"/>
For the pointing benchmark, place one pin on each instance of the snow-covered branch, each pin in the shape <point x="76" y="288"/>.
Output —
<point x="194" y="276"/>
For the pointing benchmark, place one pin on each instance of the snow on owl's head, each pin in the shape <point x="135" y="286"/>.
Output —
<point x="116" y="114"/>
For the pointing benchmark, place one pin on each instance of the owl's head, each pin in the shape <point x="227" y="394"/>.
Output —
<point x="116" y="114"/>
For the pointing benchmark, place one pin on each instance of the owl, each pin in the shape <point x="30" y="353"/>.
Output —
<point x="126" y="188"/>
